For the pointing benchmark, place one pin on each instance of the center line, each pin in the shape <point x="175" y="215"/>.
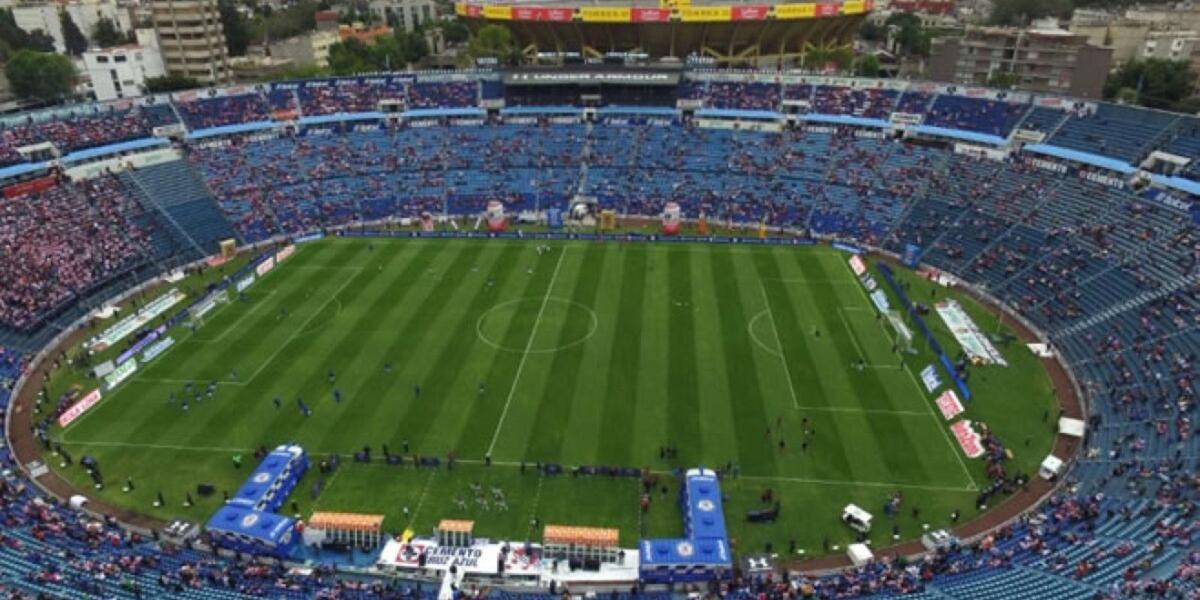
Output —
<point x="525" y="355"/>
<point x="787" y="371"/>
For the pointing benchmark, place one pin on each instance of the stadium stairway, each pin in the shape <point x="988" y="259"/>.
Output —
<point x="176" y="192"/>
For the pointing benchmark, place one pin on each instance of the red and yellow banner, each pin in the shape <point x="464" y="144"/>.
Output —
<point x="650" y="15"/>
<point x="680" y="9"/>
<point x="596" y="14"/>
<point x="497" y="12"/>
<point x="535" y="13"/>
<point x="705" y="14"/>
<point x="750" y="12"/>
<point x="827" y="10"/>
<point x="795" y="11"/>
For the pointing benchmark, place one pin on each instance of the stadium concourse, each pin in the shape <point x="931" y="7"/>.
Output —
<point x="1081" y="217"/>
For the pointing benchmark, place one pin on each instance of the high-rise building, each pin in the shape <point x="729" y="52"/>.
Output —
<point x="1046" y="60"/>
<point x="191" y="39"/>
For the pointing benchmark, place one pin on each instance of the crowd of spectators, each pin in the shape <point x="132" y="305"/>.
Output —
<point x="84" y="128"/>
<point x="457" y="94"/>
<point x="349" y="95"/>
<point x="218" y="111"/>
<point x="994" y="117"/>
<point x="871" y="103"/>
<point x="62" y="241"/>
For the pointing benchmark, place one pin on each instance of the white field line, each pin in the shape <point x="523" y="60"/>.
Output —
<point x="928" y="404"/>
<point x="787" y="370"/>
<point x="238" y="320"/>
<point x="135" y="377"/>
<point x="301" y="328"/>
<point x="853" y="338"/>
<point x="324" y="488"/>
<point x="412" y="516"/>
<point x="525" y="355"/>
<point x="514" y="464"/>
<point x="864" y="411"/>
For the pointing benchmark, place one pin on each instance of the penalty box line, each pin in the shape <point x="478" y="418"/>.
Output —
<point x="380" y="461"/>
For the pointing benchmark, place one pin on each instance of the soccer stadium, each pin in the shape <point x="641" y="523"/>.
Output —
<point x="638" y="331"/>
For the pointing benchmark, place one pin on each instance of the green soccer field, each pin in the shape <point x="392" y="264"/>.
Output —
<point x="587" y="354"/>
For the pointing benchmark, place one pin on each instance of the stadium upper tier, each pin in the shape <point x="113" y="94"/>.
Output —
<point x="1107" y="270"/>
<point x="1110" y="136"/>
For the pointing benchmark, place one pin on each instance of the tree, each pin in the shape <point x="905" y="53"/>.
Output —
<point x="388" y="54"/>
<point x="41" y="76"/>
<point x="909" y="35"/>
<point x="73" y="38"/>
<point x="295" y="20"/>
<point x="305" y="72"/>
<point x="105" y="33"/>
<point x="493" y="41"/>
<point x="170" y="83"/>
<point x="1126" y="95"/>
<point x="1155" y="82"/>
<point x="868" y="66"/>
<point x="13" y="38"/>
<point x="40" y="41"/>
<point x="351" y="56"/>
<point x="454" y="31"/>
<point x="1018" y="13"/>
<point x="413" y="46"/>
<point x="820" y="58"/>
<point x="237" y="31"/>
<point x="871" y="32"/>
<point x="1001" y="79"/>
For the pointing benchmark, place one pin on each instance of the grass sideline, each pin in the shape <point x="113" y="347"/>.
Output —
<point x="594" y="353"/>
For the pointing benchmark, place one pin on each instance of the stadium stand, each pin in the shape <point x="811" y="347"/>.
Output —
<point x="174" y="191"/>
<point x="1122" y="132"/>
<point x="1108" y="272"/>
<point x="974" y="114"/>
<point x="62" y="242"/>
<point x="203" y="113"/>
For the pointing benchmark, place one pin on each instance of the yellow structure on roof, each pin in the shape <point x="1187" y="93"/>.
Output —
<point x="346" y="521"/>
<point x="585" y="536"/>
<point x="355" y="529"/>
<point x="452" y="532"/>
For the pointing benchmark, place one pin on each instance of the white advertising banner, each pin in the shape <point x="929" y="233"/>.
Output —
<point x="973" y="341"/>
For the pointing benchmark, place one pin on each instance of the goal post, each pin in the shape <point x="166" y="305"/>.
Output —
<point x="904" y="335"/>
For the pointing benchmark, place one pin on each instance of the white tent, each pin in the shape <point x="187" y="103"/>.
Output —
<point x="859" y="554"/>
<point x="1071" y="427"/>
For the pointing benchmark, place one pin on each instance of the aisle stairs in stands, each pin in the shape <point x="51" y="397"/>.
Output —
<point x="174" y="190"/>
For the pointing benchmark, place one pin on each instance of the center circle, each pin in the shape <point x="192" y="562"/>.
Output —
<point x="494" y="323"/>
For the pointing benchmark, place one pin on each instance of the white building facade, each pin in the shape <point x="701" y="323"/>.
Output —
<point x="122" y="71"/>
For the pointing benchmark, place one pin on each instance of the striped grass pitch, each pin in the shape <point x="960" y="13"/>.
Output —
<point x="589" y="354"/>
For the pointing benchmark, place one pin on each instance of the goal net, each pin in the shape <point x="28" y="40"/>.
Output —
<point x="904" y="335"/>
